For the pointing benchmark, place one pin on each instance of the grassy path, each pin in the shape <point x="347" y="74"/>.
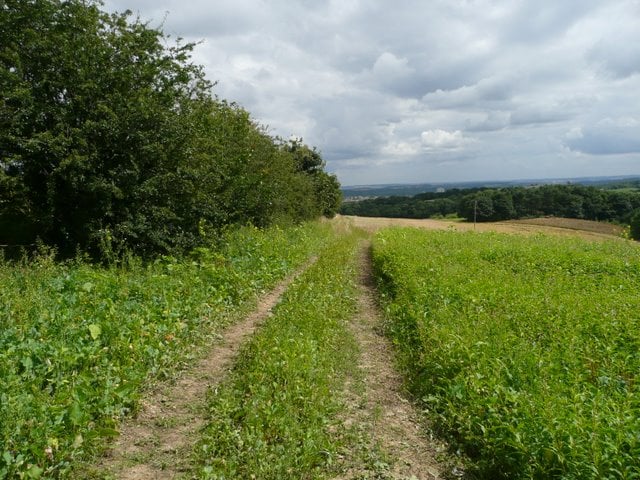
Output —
<point x="158" y="442"/>
<point x="276" y="416"/>
<point x="303" y="388"/>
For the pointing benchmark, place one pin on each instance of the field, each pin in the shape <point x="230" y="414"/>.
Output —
<point x="519" y="351"/>
<point x="524" y="350"/>
<point x="566" y="227"/>
<point x="573" y="224"/>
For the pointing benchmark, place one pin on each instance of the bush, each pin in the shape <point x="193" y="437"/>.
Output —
<point x="635" y="225"/>
<point x="109" y="131"/>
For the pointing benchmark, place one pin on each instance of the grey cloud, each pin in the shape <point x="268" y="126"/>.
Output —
<point x="536" y="116"/>
<point x="490" y="122"/>
<point x="543" y="21"/>
<point x="616" y="49"/>
<point x="488" y="90"/>
<point x="363" y="80"/>
<point x="606" y="139"/>
<point x="619" y="57"/>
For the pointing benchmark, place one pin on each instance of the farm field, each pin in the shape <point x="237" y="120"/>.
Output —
<point x="567" y="227"/>
<point x="524" y="351"/>
<point x="572" y="224"/>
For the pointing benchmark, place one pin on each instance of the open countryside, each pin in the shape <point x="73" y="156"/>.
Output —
<point x="496" y="334"/>
<point x="185" y="295"/>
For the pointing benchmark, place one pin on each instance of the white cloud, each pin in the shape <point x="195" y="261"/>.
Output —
<point x="443" y="140"/>
<point x="400" y="149"/>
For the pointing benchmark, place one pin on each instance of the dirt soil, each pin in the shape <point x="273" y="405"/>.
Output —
<point x="158" y="442"/>
<point x="573" y="224"/>
<point x="384" y="409"/>
<point x="588" y="230"/>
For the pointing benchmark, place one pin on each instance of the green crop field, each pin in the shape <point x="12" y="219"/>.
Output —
<point x="525" y="352"/>
<point x="78" y="342"/>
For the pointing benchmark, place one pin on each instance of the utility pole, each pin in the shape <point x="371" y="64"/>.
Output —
<point x="475" y="212"/>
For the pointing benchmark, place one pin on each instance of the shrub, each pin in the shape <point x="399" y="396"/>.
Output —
<point x="635" y="225"/>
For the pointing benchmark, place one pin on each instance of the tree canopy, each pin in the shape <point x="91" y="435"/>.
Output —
<point x="110" y="137"/>
<point x="486" y="205"/>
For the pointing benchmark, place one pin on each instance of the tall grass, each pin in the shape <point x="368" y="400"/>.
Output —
<point x="525" y="351"/>
<point x="78" y="342"/>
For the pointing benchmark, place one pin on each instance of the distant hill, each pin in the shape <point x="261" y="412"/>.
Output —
<point x="604" y="199"/>
<point x="357" y="192"/>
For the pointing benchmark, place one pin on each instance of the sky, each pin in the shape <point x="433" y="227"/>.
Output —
<point x="410" y="91"/>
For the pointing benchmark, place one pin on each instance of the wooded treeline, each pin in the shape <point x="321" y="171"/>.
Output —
<point x="570" y="201"/>
<point x="111" y="138"/>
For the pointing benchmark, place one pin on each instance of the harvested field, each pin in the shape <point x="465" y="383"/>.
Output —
<point x="589" y="230"/>
<point x="573" y="224"/>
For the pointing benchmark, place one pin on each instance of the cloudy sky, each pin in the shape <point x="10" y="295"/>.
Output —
<point x="410" y="91"/>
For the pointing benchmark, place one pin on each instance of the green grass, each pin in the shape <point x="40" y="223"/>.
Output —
<point x="277" y="415"/>
<point x="78" y="343"/>
<point x="524" y="351"/>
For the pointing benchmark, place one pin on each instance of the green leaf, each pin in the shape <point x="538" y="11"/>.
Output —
<point x="27" y="363"/>
<point x="34" y="472"/>
<point x="107" y="432"/>
<point x="95" y="331"/>
<point x="75" y="414"/>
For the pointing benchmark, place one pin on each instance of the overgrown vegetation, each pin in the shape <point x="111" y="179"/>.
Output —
<point x="110" y="139"/>
<point x="524" y="351"/>
<point x="570" y="201"/>
<point x="78" y="342"/>
<point x="634" y="227"/>
<point x="276" y="416"/>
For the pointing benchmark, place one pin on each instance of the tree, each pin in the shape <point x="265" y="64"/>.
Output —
<point x="478" y="207"/>
<point x="107" y="133"/>
<point x="503" y="208"/>
<point x="328" y="196"/>
<point x="93" y="122"/>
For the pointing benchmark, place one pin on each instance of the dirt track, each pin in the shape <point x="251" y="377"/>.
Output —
<point x="391" y="421"/>
<point x="157" y="443"/>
